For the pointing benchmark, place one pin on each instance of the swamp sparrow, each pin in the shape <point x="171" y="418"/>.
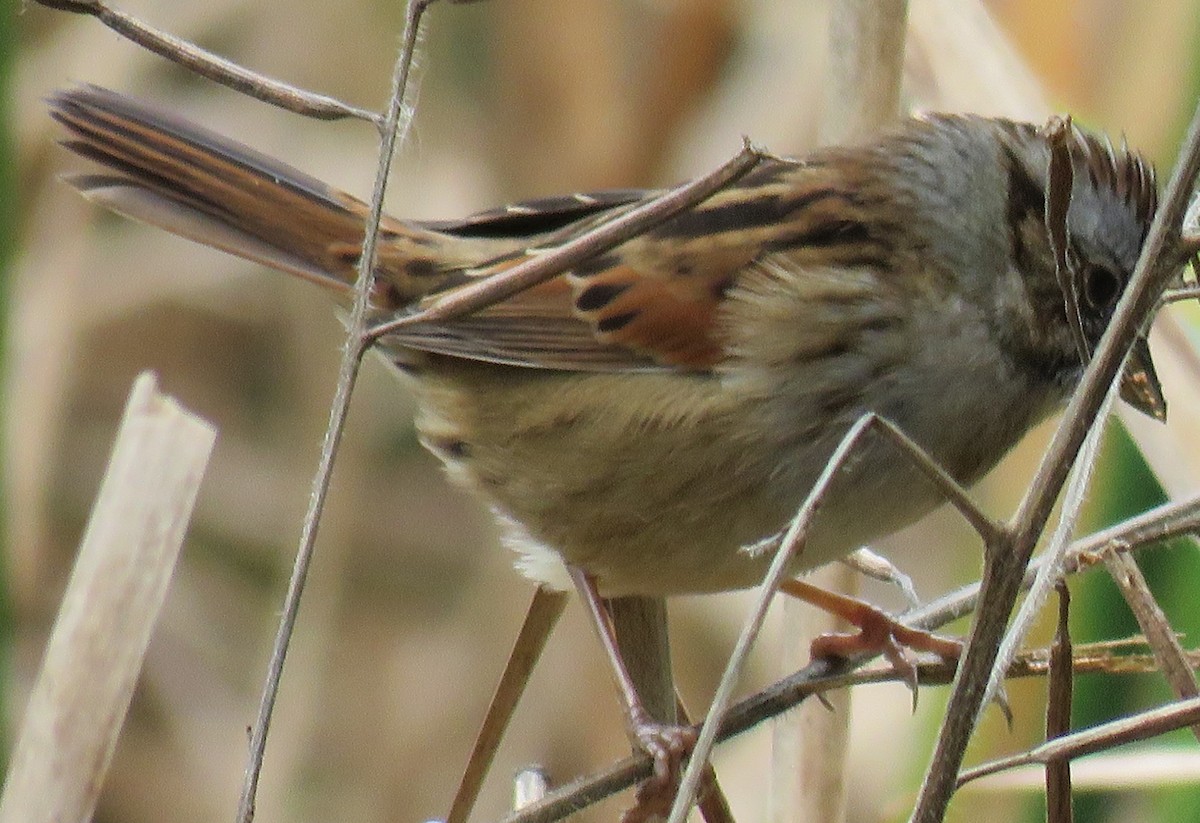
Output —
<point x="650" y="413"/>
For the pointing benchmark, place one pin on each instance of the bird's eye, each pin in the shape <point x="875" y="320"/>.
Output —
<point x="1101" y="287"/>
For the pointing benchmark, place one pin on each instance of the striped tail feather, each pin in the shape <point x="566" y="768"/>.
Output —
<point x="168" y="172"/>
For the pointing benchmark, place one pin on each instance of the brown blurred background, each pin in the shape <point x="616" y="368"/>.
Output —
<point x="412" y="604"/>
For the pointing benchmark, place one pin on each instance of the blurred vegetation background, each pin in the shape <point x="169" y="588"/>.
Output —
<point x="412" y="604"/>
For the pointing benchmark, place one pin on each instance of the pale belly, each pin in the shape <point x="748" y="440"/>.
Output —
<point x="657" y="486"/>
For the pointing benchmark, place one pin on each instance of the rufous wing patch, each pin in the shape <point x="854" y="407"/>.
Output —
<point x="611" y="319"/>
<point x="671" y="319"/>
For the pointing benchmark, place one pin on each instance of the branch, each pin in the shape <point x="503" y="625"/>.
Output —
<point x="1099" y="738"/>
<point x="215" y="68"/>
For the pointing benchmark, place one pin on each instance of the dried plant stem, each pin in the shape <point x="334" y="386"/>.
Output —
<point x="215" y="68"/>
<point x="816" y="679"/>
<point x="542" y="616"/>
<point x="793" y="542"/>
<point x="1140" y="726"/>
<point x="866" y="48"/>
<point x="1168" y="652"/>
<point x="108" y="612"/>
<point x="1161" y="523"/>
<point x="1050" y="568"/>
<point x="356" y="344"/>
<point x="1181" y="294"/>
<point x="1059" y="693"/>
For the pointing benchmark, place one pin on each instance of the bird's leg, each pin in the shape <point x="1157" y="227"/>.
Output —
<point x="661" y="737"/>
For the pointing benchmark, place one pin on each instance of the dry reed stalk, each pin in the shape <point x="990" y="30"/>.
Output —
<point x="108" y="612"/>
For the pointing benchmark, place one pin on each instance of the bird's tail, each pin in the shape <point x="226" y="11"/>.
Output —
<point x="165" y="171"/>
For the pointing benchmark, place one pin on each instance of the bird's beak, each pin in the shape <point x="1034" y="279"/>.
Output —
<point x="1139" y="384"/>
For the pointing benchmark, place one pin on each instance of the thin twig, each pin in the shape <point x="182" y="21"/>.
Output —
<point x="1180" y="294"/>
<point x="1154" y="624"/>
<point x="1049" y="571"/>
<point x="1140" y="726"/>
<point x="792" y="543"/>
<point x="711" y="800"/>
<point x="215" y="68"/>
<point x="545" y="609"/>
<point x="1164" y="522"/>
<point x="347" y="373"/>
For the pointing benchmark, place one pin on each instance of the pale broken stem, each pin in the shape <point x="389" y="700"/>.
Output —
<point x="1161" y="523"/>
<point x="543" y="614"/>
<point x="108" y="612"/>
<point x="1162" y="640"/>
<point x="215" y="68"/>
<point x="1006" y="560"/>
<point x="492" y="289"/>
<point x="866" y="54"/>
<point x="1142" y="726"/>
<point x="793" y="540"/>
<point x="394" y="125"/>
